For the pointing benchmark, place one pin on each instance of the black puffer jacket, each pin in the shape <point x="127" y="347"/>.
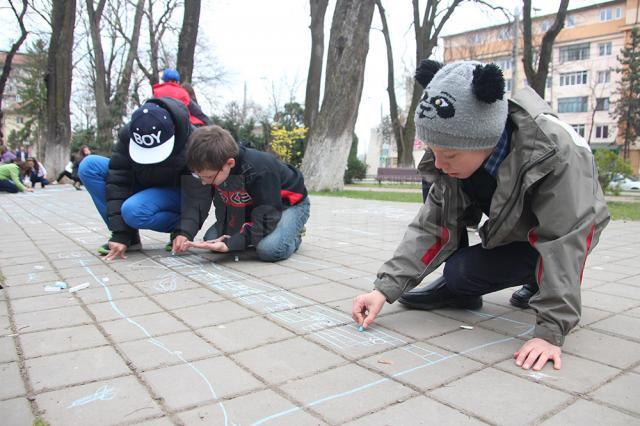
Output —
<point x="127" y="177"/>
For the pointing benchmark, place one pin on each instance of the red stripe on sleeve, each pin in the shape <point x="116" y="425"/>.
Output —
<point x="433" y="251"/>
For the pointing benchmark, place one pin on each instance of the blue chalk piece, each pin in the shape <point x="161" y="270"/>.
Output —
<point x="361" y="328"/>
<point x="60" y="284"/>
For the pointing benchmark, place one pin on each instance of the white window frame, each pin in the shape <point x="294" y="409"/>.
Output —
<point x="604" y="76"/>
<point x="607" y="47"/>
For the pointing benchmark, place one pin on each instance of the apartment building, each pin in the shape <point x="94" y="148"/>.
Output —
<point x="12" y="120"/>
<point x="582" y="79"/>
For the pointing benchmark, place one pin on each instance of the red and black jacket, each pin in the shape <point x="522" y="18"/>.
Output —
<point x="174" y="90"/>
<point x="250" y="202"/>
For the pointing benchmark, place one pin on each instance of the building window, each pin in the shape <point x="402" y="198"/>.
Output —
<point x="19" y="120"/>
<point x="573" y="104"/>
<point x="574" y="52"/>
<point x="609" y="14"/>
<point x="602" y="104"/>
<point x="573" y="78"/>
<point x="604" y="49"/>
<point x="602" y="131"/>
<point x="476" y="39"/>
<point x="579" y="128"/>
<point x="570" y="21"/>
<point x="545" y="25"/>
<point x="504" y="33"/>
<point x="507" y="84"/>
<point x="604" y="76"/>
<point x="618" y="12"/>
<point x="549" y="81"/>
<point x="504" y="63"/>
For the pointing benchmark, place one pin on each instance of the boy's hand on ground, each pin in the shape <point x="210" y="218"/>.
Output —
<point x="213" y="245"/>
<point x="536" y="352"/>
<point x="180" y="244"/>
<point x="116" y="250"/>
<point x="28" y="189"/>
<point x="366" y="307"/>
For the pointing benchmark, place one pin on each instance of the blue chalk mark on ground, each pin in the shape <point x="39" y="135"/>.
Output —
<point x="103" y="393"/>
<point x="156" y="342"/>
<point x="401" y="373"/>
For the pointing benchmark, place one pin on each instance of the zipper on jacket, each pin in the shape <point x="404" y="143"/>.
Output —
<point x="515" y="195"/>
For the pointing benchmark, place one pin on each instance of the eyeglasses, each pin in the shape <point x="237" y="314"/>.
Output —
<point x="206" y="178"/>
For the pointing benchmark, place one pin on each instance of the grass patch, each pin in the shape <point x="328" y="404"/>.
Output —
<point x="618" y="210"/>
<point x="626" y="211"/>
<point x="404" y="197"/>
<point x="38" y="421"/>
<point x="398" y="185"/>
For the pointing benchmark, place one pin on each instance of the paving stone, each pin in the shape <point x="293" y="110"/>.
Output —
<point x="621" y="392"/>
<point x="294" y="280"/>
<point x="4" y="310"/>
<point x="635" y="312"/>
<point x="179" y="299"/>
<point x="418" y="324"/>
<point x="96" y="293"/>
<point x="7" y="350"/>
<point x="479" y="344"/>
<point x="200" y="382"/>
<point x="115" y="401"/>
<point x="577" y="375"/>
<point x="250" y="409"/>
<point x="604" y="275"/>
<point x="621" y="290"/>
<point x="47" y="372"/>
<point x="363" y="284"/>
<point x="620" y="325"/>
<point x="584" y="412"/>
<point x="516" y="323"/>
<point x="303" y="358"/>
<point x="20" y="270"/>
<point x="130" y="307"/>
<point x="31" y="277"/>
<point x="166" y="350"/>
<point x="51" y="318"/>
<point x="340" y="400"/>
<point x="472" y="317"/>
<point x="327" y="292"/>
<point x="162" y="421"/>
<point x="598" y="347"/>
<point x="16" y="412"/>
<point x="306" y="264"/>
<point x="156" y="287"/>
<point x="124" y="330"/>
<point x="503" y="398"/>
<point x="212" y="314"/>
<point x="255" y="331"/>
<point x="607" y="302"/>
<point x="417" y="411"/>
<point x="591" y="315"/>
<point x="354" y="344"/>
<point x="339" y="273"/>
<point x="27" y="290"/>
<point x="12" y="384"/>
<point x="61" y="340"/>
<point x="40" y="303"/>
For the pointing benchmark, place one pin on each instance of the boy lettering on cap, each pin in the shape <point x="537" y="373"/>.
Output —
<point x="534" y="178"/>
<point x="140" y="186"/>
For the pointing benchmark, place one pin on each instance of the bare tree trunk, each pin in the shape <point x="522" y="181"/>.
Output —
<point x="312" y="95"/>
<point x="187" y="39"/>
<point x="538" y="78"/>
<point x="8" y="59"/>
<point x="326" y="154"/>
<point x="58" y="81"/>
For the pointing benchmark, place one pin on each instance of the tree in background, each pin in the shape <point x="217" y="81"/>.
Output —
<point x="188" y="38"/>
<point x="57" y="133"/>
<point x="8" y="59"/>
<point x="537" y="76"/>
<point x="314" y="77"/>
<point x="287" y="134"/>
<point x="627" y="108"/>
<point x="331" y="136"/>
<point x="33" y="92"/>
<point x="609" y="165"/>
<point x="356" y="169"/>
<point x="248" y="126"/>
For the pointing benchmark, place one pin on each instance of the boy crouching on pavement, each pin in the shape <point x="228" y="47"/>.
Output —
<point x="530" y="173"/>
<point x="259" y="201"/>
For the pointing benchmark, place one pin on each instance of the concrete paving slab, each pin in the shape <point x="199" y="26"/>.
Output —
<point x="500" y="397"/>
<point x="133" y="307"/>
<point x="362" y="391"/>
<point x="12" y="384"/>
<point x="124" y="330"/>
<point x="620" y="325"/>
<point x="303" y="358"/>
<point x="171" y="300"/>
<point x="479" y="344"/>
<point x="327" y="292"/>
<point x="255" y="331"/>
<point x="7" y="350"/>
<point x="60" y="340"/>
<point x="249" y="409"/>
<point x="419" y="324"/>
<point x="212" y="314"/>
<point x="72" y="368"/>
<point x="199" y="382"/>
<point x="16" y="412"/>
<point x="597" y="347"/>
<point x="620" y="392"/>
<point x="584" y="412"/>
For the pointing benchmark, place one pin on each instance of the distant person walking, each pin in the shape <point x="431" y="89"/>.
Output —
<point x="171" y="88"/>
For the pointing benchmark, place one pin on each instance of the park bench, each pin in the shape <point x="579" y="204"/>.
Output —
<point x="398" y="174"/>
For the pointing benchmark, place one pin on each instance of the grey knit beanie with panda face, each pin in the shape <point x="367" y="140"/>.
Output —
<point x="463" y="105"/>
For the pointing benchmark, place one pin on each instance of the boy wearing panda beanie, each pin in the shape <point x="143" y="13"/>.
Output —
<point x="534" y="178"/>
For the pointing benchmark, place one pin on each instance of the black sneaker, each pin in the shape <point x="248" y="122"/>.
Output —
<point x="435" y="296"/>
<point x="520" y="298"/>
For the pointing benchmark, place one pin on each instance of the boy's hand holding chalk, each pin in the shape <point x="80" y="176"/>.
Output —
<point x="366" y="307"/>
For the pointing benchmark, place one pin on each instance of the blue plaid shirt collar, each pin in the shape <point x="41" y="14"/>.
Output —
<point x="500" y="152"/>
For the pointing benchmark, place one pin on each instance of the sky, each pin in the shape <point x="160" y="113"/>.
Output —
<point x="266" y="44"/>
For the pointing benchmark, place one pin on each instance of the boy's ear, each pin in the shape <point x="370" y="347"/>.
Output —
<point x="426" y="70"/>
<point x="231" y="162"/>
<point x="488" y="83"/>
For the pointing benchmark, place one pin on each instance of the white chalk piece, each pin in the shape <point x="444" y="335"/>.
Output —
<point x="78" y="287"/>
<point x="51" y="288"/>
<point x="466" y="327"/>
<point x="236" y="259"/>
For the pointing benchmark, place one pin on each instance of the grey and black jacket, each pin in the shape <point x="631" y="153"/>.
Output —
<point x="547" y="194"/>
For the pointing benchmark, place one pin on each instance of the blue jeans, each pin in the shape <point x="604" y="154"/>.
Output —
<point x="157" y="209"/>
<point x="35" y="179"/>
<point x="8" y="186"/>
<point x="285" y="239"/>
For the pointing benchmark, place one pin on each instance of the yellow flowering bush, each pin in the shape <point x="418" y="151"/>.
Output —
<point x="288" y="145"/>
